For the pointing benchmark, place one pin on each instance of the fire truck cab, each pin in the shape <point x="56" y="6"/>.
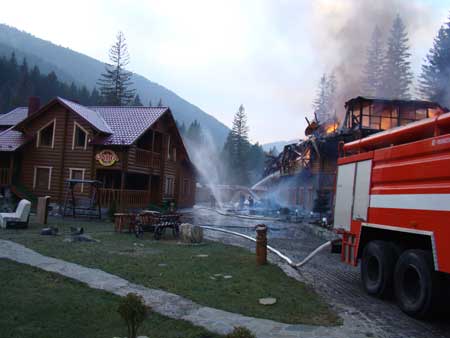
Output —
<point x="392" y="208"/>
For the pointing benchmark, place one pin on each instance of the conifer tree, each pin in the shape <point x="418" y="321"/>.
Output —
<point x="434" y="82"/>
<point x="397" y="76"/>
<point x="236" y="149"/>
<point x="137" y="101"/>
<point x="371" y="79"/>
<point x="160" y="103"/>
<point x="115" y="83"/>
<point x="319" y="104"/>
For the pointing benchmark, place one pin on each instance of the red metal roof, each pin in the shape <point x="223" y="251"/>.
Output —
<point x="14" y="116"/>
<point x="117" y="125"/>
<point x="87" y="114"/>
<point x="10" y="140"/>
<point x="127" y="123"/>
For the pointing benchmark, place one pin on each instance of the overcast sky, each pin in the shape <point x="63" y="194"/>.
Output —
<point x="267" y="55"/>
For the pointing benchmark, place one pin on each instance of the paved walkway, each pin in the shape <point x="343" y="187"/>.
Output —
<point x="169" y="304"/>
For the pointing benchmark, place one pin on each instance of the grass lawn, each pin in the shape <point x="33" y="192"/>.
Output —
<point x="38" y="304"/>
<point x="177" y="268"/>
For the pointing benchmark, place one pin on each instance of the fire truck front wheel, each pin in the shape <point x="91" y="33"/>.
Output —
<point x="416" y="283"/>
<point x="377" y="268"/>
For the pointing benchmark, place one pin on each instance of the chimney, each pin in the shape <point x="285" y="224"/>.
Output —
<point x="34" y="103"/>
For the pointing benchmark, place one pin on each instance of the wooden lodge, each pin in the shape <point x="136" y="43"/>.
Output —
<point x="136" y="153"/>
<point x="308" y="167"/>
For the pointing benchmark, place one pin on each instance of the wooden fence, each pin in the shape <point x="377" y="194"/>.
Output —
<point x="148" y="159"/>
<point x="124" y="198"/>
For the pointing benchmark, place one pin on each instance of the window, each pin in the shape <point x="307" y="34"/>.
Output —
<point x="42" y="178"/>
<point x="169" y="187"/>
<point x="79" y="137"/>
<point x="174" y="154"/>
<point x="77" y="174"/>
<point x="168" y="147"/>
<point x="46" y="135"/>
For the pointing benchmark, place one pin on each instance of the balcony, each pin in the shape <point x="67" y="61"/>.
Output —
<point x="147" y="159"/>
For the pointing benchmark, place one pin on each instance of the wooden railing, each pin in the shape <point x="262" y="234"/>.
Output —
<point x="147" y="158"/>
<point x="124" y="198"/>
<point x="5" y="178"/>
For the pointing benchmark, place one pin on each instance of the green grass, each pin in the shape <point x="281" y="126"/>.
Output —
<point x="177" y="268"/>
<point x="38" y="304"/>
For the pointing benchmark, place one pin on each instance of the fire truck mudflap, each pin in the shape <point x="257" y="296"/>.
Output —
<point x="392" y="208"/>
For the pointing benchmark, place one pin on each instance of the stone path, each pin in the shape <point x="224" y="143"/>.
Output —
<point x="169" y="304"/>
<point x="339" y="284"/>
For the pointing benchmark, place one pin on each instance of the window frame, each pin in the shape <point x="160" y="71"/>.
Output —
<point x="169" y="192"/>
<point x="50" y="171"/>
<point x="83" y="172"/>
<point x="38" y="140"/>
<point x="75" y="126"/>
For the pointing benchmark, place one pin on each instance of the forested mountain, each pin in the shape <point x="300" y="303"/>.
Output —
<point x="71" y="66"/>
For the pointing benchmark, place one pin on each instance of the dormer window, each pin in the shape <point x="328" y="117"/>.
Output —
<point x="80" y="137"/>
<point x="46" y="135"/>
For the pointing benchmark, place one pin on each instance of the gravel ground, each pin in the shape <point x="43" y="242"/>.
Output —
<point x="338" y="283"/>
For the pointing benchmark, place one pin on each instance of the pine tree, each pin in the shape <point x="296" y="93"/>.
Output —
<point x="137" y="101"/>
<point x="319" y="104"/>
<point x="330" y="94"/>
<point x="397" y="76"/>
<point x="435" y="76"/>
<point x="194" y="133"/>
<point x="371" y="79"/>
<point x="236" y="149"/>
<point x="150" y="103"/>
<point x="160" y="103"/>
<point x="115" y="82"/>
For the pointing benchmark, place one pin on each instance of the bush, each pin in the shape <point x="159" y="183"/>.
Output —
<point x="241" y="332"/>
<point x="133" y="310"/>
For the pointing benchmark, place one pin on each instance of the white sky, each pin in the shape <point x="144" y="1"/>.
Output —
<point x="267" y="55"/>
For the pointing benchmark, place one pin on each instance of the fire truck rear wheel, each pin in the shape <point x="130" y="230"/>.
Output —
<point x="416" y="283"/>
<point x="377" y="268"/>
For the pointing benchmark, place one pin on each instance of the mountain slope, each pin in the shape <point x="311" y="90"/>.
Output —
<point x="82" y="69"/>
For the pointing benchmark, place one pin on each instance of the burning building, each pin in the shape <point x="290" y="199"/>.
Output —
<point x="302" y="176"/>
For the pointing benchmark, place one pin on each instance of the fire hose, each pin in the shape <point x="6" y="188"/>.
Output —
<point x="275" y="251"/>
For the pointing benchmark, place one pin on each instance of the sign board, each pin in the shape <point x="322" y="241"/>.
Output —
<point x="107" y="158"/>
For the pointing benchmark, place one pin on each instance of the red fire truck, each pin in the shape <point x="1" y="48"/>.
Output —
<point x="392" y="207"/>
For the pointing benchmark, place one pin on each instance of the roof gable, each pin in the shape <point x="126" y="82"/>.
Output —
<point x="127" y="123"/>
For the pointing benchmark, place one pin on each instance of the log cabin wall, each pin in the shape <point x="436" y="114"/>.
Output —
<point x="62" y="159"/>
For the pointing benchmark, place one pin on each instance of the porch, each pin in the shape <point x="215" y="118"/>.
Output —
<point x="128" y="190"/>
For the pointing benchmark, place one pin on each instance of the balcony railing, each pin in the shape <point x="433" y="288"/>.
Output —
<point x="5" y="178"/>
<point x="148" y="159"/>
<point x="124" y="198"/>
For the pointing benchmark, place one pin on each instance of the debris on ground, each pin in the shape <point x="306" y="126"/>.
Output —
<point x="267" y="301"/>
<point x="50" y="231"/>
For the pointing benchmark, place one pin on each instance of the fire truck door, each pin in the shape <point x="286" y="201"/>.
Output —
<point x="344" y="196"/>
<point x="362" y="187"/>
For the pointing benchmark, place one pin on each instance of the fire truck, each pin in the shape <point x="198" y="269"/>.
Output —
<point x="392" y="209"/>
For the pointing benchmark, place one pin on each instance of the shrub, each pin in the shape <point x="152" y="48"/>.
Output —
<point x="241" y="332"/>
<point x="133" y="311"/>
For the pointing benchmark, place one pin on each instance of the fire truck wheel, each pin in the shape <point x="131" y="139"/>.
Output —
<point x="377" y="268"/>
<point x="416" y="283"/>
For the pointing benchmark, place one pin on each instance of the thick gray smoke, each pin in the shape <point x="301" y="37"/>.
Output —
<point x="343" y="30"/>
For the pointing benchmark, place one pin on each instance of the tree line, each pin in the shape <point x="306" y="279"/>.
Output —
<point x="387" y="70"/>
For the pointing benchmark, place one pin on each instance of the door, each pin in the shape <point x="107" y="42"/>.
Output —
<point x="344" y="196"/>
<point x="362" y="187"/>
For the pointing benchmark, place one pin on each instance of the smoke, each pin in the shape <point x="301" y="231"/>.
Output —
<point x="342" y="31"/>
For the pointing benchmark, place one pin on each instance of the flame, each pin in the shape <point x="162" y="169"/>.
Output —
<point x="331" y="128"/>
